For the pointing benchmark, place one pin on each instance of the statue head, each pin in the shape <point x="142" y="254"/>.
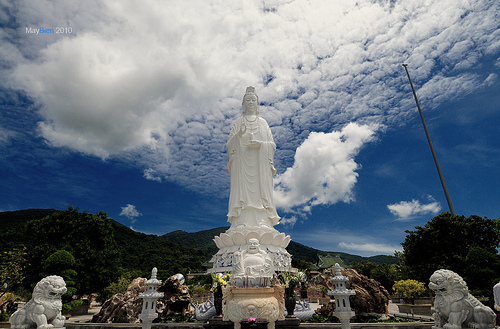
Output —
<point x="250" y="102"/>
<point x="253" y="246"/>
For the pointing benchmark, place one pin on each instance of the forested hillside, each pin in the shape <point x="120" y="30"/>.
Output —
<point x="203" y="240"/>
<point x="133" y="252"/>
<point x="12" y="224"/>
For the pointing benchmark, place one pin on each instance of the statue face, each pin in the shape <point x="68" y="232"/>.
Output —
<point x="250" y="103"/>
<point x="253" y="246"/>
<point x="438" y="284"/>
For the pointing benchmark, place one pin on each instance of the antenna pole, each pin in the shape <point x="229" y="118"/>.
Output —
<point x="445" y="189"/>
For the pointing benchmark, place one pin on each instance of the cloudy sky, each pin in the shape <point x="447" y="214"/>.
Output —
<point x="126" y="107"/>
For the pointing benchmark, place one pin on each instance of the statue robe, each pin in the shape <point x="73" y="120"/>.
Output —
<point x="252" y="172"/>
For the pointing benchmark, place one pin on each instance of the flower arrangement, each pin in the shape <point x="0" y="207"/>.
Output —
<point x="219" y="280"/>
<point x="252" y="320"/>
<point x="290" y="281"/>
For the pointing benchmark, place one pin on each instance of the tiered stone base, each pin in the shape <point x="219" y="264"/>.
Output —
<point x="270" y="239"/>
<point x="260" y="303"/>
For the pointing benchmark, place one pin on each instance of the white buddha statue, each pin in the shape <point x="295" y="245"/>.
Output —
<point x="251" y="154"/>
<point x="252" y="267"/>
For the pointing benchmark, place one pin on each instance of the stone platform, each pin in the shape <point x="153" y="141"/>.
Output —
<point x="406" y="325"/>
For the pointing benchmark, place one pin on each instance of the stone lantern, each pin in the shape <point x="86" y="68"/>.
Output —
<point x="341" y="295"/>
<point x="150" y="297"/>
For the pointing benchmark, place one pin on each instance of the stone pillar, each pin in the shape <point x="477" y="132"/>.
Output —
<point x="150" y="297"/>
<point x="341" y="294"/>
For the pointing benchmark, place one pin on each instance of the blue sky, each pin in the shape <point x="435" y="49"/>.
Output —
<point x="128" y="110"/>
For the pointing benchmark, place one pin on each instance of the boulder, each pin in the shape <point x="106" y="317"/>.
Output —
<point x="123" y="308"/>
<point x="371" y="296"/>
<point x="176" y="298"/>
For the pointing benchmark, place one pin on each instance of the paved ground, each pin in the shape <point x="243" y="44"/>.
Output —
<point x="84" y="318"/>
<point x="393" y="310"/>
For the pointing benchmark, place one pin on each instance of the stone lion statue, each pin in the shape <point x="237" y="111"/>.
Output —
<point x="454" y="307"/>
<point x="44" y="308"/>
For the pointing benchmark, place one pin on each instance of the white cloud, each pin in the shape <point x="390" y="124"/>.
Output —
<point x="342" y="240"/>
<point x="406" y="209"/>
<point x="159" y="82"/>
<point x="5" y="135"/>
<point x="371" y="248"/>
<point x="324" y="171"/>
<point x="150" y="174"/>
<point x="289" y="221"/>
<point x="130" y="212"/>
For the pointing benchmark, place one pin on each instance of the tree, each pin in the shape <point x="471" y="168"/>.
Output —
<point x="61" y="263"/>
<point x="12" y="267"/>
<point x="300" y="263"/>
<point x="482" y="272"/>
<point x="364" y="267"/>
<point x="445" y="241"/>
<point x="409" y="289"/>
<point x="386" y="274"/>
<point x="88" y="237"/>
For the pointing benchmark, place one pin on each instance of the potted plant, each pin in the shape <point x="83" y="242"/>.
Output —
<point x="289" y="281"/>
<point x="218" y="281"/>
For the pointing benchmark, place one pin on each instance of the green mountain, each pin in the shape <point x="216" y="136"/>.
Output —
<point x="12" y="226"/>
<point x="203" y="240"/>
<point x="176" y="250"/>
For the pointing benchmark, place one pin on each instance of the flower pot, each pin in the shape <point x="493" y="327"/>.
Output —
<point x="218" y="305"/>
<point x="290" y="305"/>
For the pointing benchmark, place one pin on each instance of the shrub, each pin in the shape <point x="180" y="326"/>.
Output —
<point x="409" y="289"/>
<point x="67" y="307"/>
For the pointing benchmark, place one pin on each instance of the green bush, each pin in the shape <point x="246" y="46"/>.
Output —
<point x="409" y="289"/>
<point x="4" y="317"/>
<point x="59" y="260"/>
<point x="67" y="307"/>
<point x="119" y="286"/>
<point x="318" y="318"/>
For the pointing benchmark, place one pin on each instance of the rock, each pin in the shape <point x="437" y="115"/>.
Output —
<point x="123" y="308"/>
<point x="371" y="296"/>
<point x="176" y="297"/>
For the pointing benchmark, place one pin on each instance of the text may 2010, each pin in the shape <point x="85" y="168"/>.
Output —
<point x="44" y="30"/>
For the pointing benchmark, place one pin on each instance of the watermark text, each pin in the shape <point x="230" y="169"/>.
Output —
<point x="48" y="30"/>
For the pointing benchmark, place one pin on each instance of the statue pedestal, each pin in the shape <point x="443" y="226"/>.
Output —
<point x="260" y="303"/>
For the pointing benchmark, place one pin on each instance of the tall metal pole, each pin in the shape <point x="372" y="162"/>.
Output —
<point x="448" y="199"/>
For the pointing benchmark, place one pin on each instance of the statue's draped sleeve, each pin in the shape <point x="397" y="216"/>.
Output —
<point x="233" y="142"/>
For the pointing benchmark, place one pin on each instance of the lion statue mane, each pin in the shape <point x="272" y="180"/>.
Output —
<point x="454" y="307"/>
<point x="44" y="308"/>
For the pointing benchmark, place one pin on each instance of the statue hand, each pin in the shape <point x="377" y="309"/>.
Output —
<point x="243" y="129"/>
<point x="254" y="144"/>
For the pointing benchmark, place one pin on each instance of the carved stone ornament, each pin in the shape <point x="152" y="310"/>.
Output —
<point x="454" y="307"/>
<point x="259" y="303"/>
<point x="43" y="310"/>
<point x="252" y="267"/>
